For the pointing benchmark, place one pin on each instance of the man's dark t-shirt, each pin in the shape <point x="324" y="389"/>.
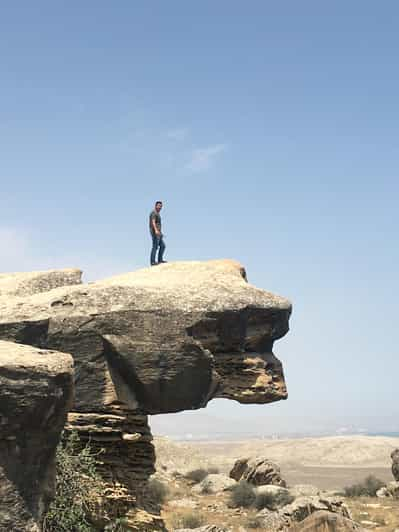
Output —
<point x="157" y="217"/>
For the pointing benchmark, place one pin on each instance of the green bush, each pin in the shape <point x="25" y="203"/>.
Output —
<point x="157" y="491"/>
<point x="272" y="501"/>
<point x="76" y="477"/>
<point x="196" y="475"/>
<point x="242" y="495"/>
<point x="367" y="488"/>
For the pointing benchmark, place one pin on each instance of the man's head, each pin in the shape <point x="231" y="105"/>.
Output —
<point x="158" y="205"/>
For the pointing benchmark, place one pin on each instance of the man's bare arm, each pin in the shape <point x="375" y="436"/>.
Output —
<point x="154" y="226"/>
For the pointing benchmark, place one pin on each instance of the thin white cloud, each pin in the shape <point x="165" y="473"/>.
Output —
<point x="203" y="158"/>
<point x="177" y="134"/>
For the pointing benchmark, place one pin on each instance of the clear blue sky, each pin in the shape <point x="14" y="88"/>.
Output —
<point x="269" y="129"/>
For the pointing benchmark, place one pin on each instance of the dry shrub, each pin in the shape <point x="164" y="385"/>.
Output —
<point x="242" y="495"/>
<point x="196" y="475"/>
<point x="187" y="519"/>
<point x="367" y="488"/>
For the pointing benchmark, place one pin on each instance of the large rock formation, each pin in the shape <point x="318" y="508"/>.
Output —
<point x="35" y="395"/>
<point x="158" y="340"/>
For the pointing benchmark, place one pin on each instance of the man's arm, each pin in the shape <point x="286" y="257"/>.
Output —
<point x="154" y="226"/>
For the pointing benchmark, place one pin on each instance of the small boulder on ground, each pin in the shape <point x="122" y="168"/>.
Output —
<point x="299" y="510"/>
<point x="390" y="490"/>
<point x="323" y="521"/>
<point x="214" y="483"/>
<point x="257" y="471"/>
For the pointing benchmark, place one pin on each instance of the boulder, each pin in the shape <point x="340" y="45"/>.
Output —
<point x="390" y="490"/>
<point x="324" y="521"/>
<point x="257" y="471"/>
<point x="214" y="483"/>
<point x="395" y="464"/>
<point x="36" y="388"/>
<point x="299" y="510"/>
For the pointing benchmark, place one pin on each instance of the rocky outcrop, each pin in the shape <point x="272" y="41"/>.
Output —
<point x="299" y="510"/>
<point x="35" y="395"/>
<point x="257" y="471"/>
<point x="395" y="464"/>
<point x="323" y="521"/>
<point x="155" y="341"/>
<point x="27" y="284"/>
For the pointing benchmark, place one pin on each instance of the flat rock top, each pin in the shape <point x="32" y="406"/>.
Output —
<point x="210" y="286"/>
<point x="29" y="283"/>
<point x="26" y="357"/>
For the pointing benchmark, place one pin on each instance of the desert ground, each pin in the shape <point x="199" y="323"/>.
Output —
<point x="329" y="463"/>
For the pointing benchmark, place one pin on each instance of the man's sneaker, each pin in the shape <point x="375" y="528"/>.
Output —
<point x="162" y="261"/>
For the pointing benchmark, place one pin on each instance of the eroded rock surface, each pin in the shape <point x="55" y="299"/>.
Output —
<point x="158" y="340"/>
<point x="35" y="394"/>
<point x="257" y="471"/>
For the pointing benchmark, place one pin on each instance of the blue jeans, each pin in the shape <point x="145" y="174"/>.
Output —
<point x="157" y="242"/>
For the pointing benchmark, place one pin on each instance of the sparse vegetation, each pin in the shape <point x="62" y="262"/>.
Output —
<point x="367" y="488"/>
<point x="187" y="519"/>
<point x="272" y="501"/>
<point x="253" y="522"/>
<point x="76" y="479"/>
<point x="196" y="475"/>
<point x="242" y="495"/>
<point x="157" y="491"/>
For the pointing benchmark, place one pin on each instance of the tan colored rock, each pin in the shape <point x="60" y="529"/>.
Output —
<point x="300" y="509"/>
<point x="257" y="471"/>
<point x="195" y="327"/>
<point x="35" y="394"/>
<point x="28" y="283"/>
<point x="323" y="521"/>
<point x="158" y="340"/>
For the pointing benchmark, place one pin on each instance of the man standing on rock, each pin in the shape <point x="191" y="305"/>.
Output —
<point x="156" y="234"/>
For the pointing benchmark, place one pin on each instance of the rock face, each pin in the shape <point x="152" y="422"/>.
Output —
<point x="257" y="471"/>
<point x="35" y="394"/>
<point x="395" y="464"/>
<point x="155" y="341"/>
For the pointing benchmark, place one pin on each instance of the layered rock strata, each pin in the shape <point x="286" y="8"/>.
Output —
<point x="155" y="341"/>
<point x="35" y="394"/>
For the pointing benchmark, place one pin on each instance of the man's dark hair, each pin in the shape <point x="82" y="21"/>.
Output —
<point x="158" y="203"/>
